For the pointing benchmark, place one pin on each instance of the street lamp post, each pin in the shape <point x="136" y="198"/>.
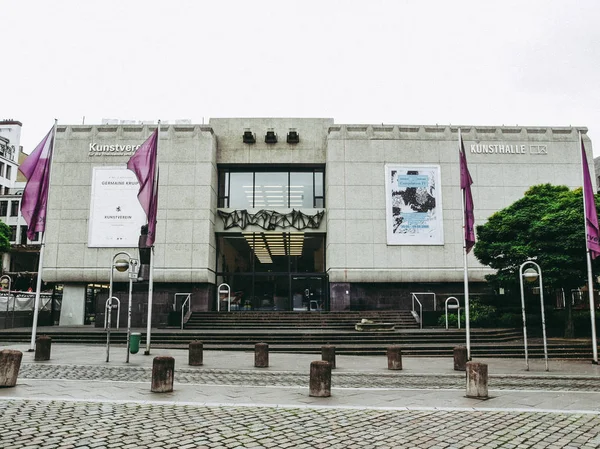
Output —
<point x="6" y="281"/>
<point x="531" y="275"/>
<point x="122" y="265"/>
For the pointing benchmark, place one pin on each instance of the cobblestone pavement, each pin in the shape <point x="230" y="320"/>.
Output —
<point x="63" y="424"/>
<point x="396" y="379"/>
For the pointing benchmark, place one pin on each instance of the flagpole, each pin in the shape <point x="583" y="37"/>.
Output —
<point x="151" y="274"/>
<point x="150" y="292"/>
<point x="38" y="286"/>
<point x="589" y="264"/>
<point x="466" y="269"/>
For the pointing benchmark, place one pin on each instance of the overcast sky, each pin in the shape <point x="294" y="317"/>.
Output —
<point x="525" y="62"/>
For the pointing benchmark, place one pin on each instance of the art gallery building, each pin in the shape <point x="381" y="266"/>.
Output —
<point x="293" y="214"/>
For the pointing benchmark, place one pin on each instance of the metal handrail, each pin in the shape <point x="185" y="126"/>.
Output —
<point x="107" y="311"/>
<point x="6" y="277"/>
<point x="175" y="299"/>
<point x="187" y="301"/>
<point x="228" y="291"/>
<point x="457" y="306"/>
<point x="428" y="293"/>
<point x="414" y="298"/>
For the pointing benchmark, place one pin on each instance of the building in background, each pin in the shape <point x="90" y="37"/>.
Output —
<point x="21" y="263"/>
<point x="292" y="214"/>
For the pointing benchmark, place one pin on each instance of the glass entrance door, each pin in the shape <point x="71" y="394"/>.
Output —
<point x="273" y="271"/>
<point x="309" y="293"/>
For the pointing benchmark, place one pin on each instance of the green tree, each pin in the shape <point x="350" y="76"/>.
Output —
<point x="545" y="225"/>
<point x="4" y="238"/>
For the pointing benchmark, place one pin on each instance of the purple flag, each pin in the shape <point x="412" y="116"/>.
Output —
<point x="36" y="169"/>
<point x="465" y="185"/>
<point x="143" y="164"/>
<point x="592" y="231"/>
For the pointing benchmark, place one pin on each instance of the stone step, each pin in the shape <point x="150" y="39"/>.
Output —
<point x="251" y="319"/>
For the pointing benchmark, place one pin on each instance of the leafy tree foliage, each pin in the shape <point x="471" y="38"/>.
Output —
<point x="546" y="225"/>
<point x="4" y="238"/>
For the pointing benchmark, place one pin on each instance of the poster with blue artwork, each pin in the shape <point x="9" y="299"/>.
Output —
<point x="414" y="206"/>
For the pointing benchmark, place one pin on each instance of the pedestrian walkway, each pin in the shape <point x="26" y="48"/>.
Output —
<point x="78" y="399"/>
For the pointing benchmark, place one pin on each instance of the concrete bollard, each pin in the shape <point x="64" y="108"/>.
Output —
<point x="195" y="357"/>
<point x="320" y="379"/>
<point x="10" y="363"/>
<point x="394" y="356"/>
<point x="477" y="380"/>
<point x="328" y="354"/>
<point x="163" y="373"/>
<point x="460" y="358"/>
<point x="43" y="344"/>
<point x="261" y="355"/>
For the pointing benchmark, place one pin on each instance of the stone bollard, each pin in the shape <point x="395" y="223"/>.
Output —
<point x="195" y="357"/>
<point x="320" y="379"/>
<point x="394" y="356"/>
<point x="328" y="354"/>
<point x="10" y="363"/>
<point x="477" y="380"/>
<point x="163" y="372"/>
<point x="43" y="344"/>
<point x="261" y="355"/>
<point x="460" y="358"/>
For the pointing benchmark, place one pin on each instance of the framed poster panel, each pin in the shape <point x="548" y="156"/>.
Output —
<point x="116" y="215"/>
<point x="413" y="205"/>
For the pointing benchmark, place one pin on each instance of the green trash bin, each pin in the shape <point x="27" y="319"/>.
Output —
<point x="134" y="342"/>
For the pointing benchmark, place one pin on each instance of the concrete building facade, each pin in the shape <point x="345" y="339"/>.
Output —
<point x="292" y="214"/>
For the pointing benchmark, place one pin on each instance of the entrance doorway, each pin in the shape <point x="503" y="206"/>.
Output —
<point x="273" y="271"/>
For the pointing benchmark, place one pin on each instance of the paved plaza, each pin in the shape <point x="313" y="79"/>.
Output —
<point x="78" y="400"/>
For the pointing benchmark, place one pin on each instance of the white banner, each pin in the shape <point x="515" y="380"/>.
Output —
<point x="414" y="205"/>
<point x="23" y="301"/>
<point x="116" y="215"/>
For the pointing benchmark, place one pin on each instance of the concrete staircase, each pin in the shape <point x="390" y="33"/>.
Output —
<point x="306" y="332"/>
<point x="402" y="319"/>
<point x="431" y="343"/>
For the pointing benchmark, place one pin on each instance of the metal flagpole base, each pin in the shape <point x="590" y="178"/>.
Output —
<point x="31" y="350"/>
<point x="146" y="352"/>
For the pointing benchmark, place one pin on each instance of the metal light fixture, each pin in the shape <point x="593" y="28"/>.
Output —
<point x="293" y="136"/>
<point x="531" y="275"/>
<point x="270" y="137"/>
<point x="121" y="265"/>
<point x="249" y="137"/>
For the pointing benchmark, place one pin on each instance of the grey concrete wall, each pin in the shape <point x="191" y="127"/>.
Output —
<point x="310" y="149"/>
<point x="357" y="249"/>
<point x="185" y="241"/>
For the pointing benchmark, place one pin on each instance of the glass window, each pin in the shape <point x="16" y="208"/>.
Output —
<point x="301" y="190"/>
<point x="23" y="235"/>
<point x="270" y="190"/>
<point x="223" y="189"/>
<point x="8" y="171"/>
<point x="241" y="190"/>
<point x="3" y="208"/>
<point x="319" y="189"/>
<point x="1" y="168"/>
<point x="14" y="208"/>
<point x="13" y="233"/>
